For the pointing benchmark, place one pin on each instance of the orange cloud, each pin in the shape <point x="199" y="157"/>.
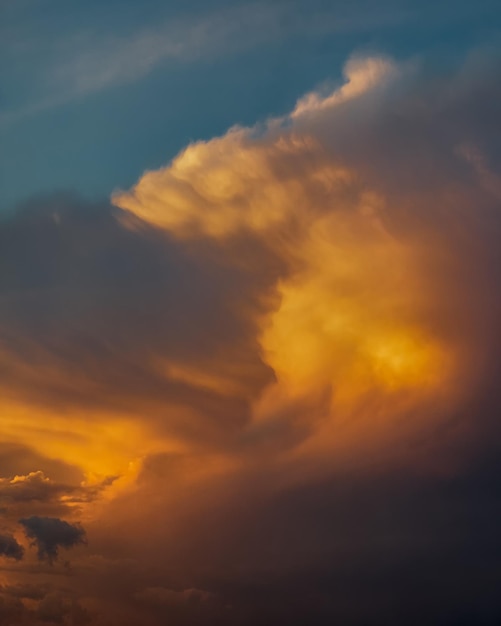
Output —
<point x="355" y="313"/>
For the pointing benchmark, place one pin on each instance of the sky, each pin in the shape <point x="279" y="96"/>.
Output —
<point x="250" y="293"/>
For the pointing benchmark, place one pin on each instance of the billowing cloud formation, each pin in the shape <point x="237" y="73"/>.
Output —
<point x="50" y="533"/>
<point x="286" y="343"/>
<point x="371" y="243"/>
<point x="10" y="548"/>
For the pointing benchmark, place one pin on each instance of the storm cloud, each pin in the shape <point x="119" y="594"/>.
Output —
<point x="267" y="375"/>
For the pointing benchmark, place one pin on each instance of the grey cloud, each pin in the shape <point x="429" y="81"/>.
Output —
<point x="49" y="534"/>
<point x="10" y="548"/>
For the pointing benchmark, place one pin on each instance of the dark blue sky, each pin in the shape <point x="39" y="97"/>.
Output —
<point x="93" y="93"/>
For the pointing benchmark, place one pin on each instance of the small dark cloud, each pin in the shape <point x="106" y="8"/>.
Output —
<point x="10" y="548"/>
<point x="49" y="534"/>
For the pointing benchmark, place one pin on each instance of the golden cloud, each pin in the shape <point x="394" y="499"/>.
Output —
<point x="352" y="332"/>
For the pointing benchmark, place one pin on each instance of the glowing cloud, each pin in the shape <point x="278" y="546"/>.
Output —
<point x="351" y="317"/>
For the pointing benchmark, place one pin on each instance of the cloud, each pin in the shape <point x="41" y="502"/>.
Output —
<point x="50" y="533"/>
<point x="268" y="290"/>
<point x="35" y="493"/>
<point x="361" y="75"/>
<point x="359" y="460"/>
<point x="124" y="59"/>
<point x="144" y="329"/>
<point x="35" y="486"/>
<point x="84" y="62"/>
<point x="290" y="336"/>
<point x="10" y="548"/>
<point x="360" y="319"/>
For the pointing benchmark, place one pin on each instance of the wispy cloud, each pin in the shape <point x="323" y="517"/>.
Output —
<point x="87" y="62"/>
<point x="119" y="60"/>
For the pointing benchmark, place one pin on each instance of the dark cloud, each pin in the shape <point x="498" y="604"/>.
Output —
<point x="98" y="306"/>
<point x="387" y="548"/>
<point x="10" y="548"/>
<point x="50" y="533"/>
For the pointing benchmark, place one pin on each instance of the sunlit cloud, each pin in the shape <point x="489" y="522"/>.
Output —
<point x="355" y="315"/>
<point x="258" y="362"/>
